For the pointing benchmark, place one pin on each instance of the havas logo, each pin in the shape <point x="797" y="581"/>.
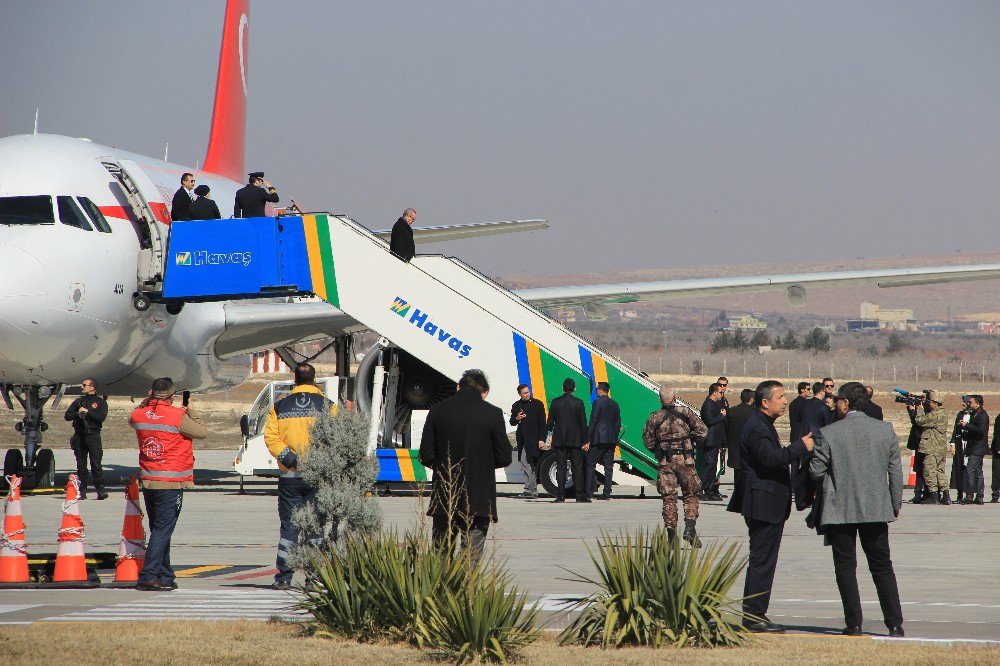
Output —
<point x="203" y="258"/>
<point x="423" y="321"/>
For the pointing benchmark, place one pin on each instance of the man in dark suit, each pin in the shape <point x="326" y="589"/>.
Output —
<point x="180" y="207"/>
<point x="995" y="450"/>
<point x="464" y="442"/>
<point x="250" y="199"/>
<point x="795" y="406"/>
<point x="871" y="409"/>
<point x="976" y="436"/>
<point x="763" y="495"/>
<point x="735" y="420"/>
<point x="568" y="423"/>
<point x="857" y="461"/>
<point x="528" y="414"/>
<point x="401" y="241"/>
<point x="713" y="413"/>
<point x="605" y="427"/>
<point x="203" y="208"/>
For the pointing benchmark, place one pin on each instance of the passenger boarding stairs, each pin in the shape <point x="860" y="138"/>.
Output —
<point x="437" y="308"/>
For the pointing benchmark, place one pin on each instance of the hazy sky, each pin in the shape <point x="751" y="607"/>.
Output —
<point x="650" y="134"/>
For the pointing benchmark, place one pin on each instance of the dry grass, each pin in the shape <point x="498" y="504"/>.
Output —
<point x="270" y="643"/>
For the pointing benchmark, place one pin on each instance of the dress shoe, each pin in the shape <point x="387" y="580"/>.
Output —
<point x="967" y="500"/>
<point x="979" y="500"/>
<point x="764" y="627"/>
<point x="896" y="632"/>
<point x="102" y="494"/>
<point x="155" y="586"/>
<point x="851" y="631"/>
<point x="172" y="584"/>
<point x="584" y="500"/>
<point x="602" y="497"/>
<point x="281" y="585"/>
<point x="995" y="499"/>
<point x="559" y="499"/>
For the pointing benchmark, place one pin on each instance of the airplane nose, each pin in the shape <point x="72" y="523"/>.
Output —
<point x="22" y="274"/>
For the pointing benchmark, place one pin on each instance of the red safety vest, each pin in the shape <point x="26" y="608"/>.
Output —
<point x="164" y="453"/>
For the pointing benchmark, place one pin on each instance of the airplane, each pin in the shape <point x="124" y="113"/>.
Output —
<point x="83" y="235"/>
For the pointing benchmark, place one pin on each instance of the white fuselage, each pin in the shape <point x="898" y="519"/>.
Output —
<point x="66" y="309"/>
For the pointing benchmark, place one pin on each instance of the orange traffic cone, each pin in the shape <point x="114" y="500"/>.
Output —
<point x="132" y="548"/>
<point x="71" y="563"/>
<point x="13" y="553"/>
<point x="911" y="480"/>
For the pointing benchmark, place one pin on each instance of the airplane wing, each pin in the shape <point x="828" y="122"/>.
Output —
<point x="255" y="325"/>
<point x="471" y="230"/>
<point x="593" y="297"/>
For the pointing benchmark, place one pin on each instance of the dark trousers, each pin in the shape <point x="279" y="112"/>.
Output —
<point x="875" y="544"/>
<point x="445" y="528"/>
<point x="765" y="540"/>
<point x="918" y="469"/>
<point x="974" y="481"/>
<point x="995" y="481"/>
<point x="710" y="472"/>
<point x="88" y="447"/>
<point x="163" y="508"/>
<point x="293" y="492"/>
<point x="575" y="457"/>
<point x="600" y="454"/>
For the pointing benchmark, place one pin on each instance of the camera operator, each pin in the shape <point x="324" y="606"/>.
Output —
<point x="87" y="414"/>
<point x="933" y="424"/>
<point x="976" y="434"/>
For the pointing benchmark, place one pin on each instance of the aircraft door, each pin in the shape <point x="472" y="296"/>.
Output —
<point x="152" y="220"/>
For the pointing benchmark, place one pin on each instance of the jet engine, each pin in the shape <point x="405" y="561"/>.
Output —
<point x="417" y="385"/>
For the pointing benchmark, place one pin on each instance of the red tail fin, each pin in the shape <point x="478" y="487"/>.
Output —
<point x="226" y="142"/>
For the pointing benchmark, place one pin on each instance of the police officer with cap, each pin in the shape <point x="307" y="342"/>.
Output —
<point x="250" y="199"/>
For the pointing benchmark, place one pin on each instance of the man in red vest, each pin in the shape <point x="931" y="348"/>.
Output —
<point x="166" y="467"/>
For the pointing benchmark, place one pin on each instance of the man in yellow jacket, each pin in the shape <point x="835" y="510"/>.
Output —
<point x="286" y="435"/>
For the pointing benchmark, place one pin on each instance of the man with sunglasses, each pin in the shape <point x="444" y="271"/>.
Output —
<point x="180" y="207"/>
<point x="87" y="414"/>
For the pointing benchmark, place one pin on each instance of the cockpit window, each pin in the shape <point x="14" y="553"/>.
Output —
<point x="71" y="215"/>
<point x="96" y="215"/>
<point x="26" y="210"/>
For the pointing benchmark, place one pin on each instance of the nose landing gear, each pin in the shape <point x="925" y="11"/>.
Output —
<point x="37" y="466"/>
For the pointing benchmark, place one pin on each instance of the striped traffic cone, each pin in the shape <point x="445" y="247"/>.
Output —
<point x="132" y="547"/>
<point x="13" y="553"/>
<point x="71" y="563"/>
<point x="911" y="480"/>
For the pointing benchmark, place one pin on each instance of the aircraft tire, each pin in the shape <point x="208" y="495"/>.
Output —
<point x="13" y="462"/>
<point x="45" y="469"/>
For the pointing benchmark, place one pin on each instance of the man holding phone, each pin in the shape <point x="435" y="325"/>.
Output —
<point x="528" y="414"/>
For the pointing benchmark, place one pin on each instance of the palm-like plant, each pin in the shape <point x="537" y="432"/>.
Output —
<point x="654" y="592"/>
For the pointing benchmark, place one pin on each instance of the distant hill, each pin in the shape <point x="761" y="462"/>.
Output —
<point x="927" y="302"/>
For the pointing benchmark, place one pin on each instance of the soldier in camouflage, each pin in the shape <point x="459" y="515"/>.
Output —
<point x="933" y="424"/>
<point x="671" y="434"/>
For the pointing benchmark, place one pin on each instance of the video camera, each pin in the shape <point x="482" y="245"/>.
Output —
<point x="910" y="398"/>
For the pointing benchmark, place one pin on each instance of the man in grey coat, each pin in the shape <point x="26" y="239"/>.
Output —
<point x="857" y="461"/>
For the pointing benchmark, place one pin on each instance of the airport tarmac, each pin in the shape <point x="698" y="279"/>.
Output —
<point x="224" y="549"/>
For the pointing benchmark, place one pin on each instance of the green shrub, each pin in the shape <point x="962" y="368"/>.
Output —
<point x="486" y="621"/>
<point x="371" y="587"/>
<point x="654" y="592"/>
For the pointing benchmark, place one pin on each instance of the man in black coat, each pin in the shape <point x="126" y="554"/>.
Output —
<point x="795" y="406"/>
<point x="568" y="423"/>
<point x="605" y="427"/>
<point x="87" y="414"/>
<point x="763" y="495"/>
<point x="871" y="409"/>
<point x="995" y="449"/>
<point x="251" y="198"/>
<point x="464" y="442"/>
<point x="204" y="208"/>
<point x="956" y="447"/>
<point x="528" y="414"/>
<point x="401" y="241"/>
<point x="180" y="207"/>
<point x="976" y="435"/>
<point x="713" y="413"/>
<point x="736" y="418"/>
